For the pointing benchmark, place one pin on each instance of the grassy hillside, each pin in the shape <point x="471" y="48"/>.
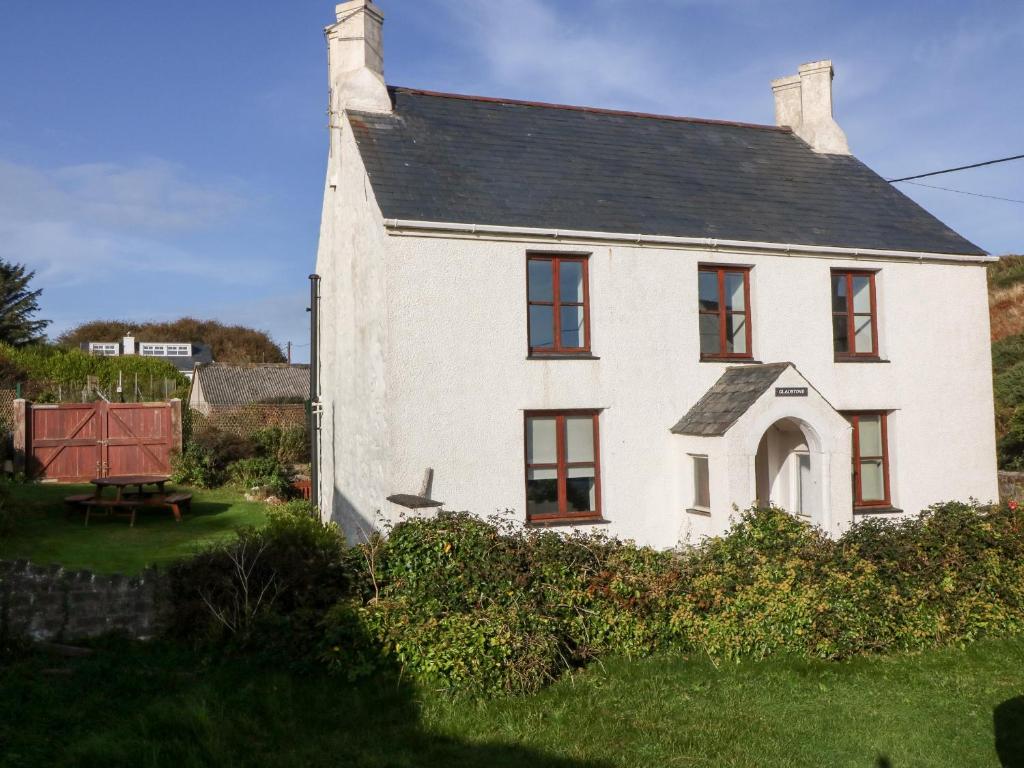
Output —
<point x="1006" y="305"/>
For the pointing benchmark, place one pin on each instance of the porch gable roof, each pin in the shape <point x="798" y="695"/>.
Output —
<point x="728" y="399"/>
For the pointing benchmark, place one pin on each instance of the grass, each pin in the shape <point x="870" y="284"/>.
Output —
<point x="159" y="706"/>
<point x="44" y="533"/>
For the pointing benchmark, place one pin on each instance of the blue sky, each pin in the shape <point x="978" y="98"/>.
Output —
<point x="167" y="159"/>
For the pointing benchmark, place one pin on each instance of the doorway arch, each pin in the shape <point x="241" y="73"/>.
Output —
<point x="788" y="471"/>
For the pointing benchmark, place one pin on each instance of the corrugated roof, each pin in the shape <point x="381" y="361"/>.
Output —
<point x="224" y="384"/>
<point x="728" y="399"/>
<point x="467" y="160"/>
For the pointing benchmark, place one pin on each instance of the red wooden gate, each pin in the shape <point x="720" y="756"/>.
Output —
<point x="75" y="442"/>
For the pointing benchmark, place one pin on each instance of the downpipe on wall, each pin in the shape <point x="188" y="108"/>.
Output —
<point x="314" y="390"/>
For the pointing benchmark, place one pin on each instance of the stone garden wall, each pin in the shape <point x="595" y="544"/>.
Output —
<point x="49" y="603"/>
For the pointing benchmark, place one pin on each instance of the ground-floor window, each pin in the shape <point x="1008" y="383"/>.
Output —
<point x="563" y="472"/>
<point x="870" y="459"/>
<point x="701" y="483"/>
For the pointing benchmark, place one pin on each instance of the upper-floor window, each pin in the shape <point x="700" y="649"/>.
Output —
<point x="165" y="350"/>
<point x="563" y="475"/>
<point x="558" y="299"/>
<point x="105" y="350"/>
<point x="854" y="314"/>
<point x="724" y="298"/>
<point x="870" y="459"/>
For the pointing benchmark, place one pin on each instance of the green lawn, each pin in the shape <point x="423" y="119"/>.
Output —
<point x="44" y="533"/>
<point x="132" y="705"/>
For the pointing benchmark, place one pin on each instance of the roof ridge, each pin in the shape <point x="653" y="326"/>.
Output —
<point x="591" y="110"/>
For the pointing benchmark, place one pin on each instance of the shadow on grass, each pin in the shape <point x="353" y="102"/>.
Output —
<point x="160" y="705"/>
<point x="1008" y="721"/>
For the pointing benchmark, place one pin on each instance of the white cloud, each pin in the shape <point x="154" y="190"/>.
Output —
<point x="88" y="222"/>
<point x="529" y="43"/>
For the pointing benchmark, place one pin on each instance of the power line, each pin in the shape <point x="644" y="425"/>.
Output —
<point x="965" y="192"/>
<point x="959" y="168"/>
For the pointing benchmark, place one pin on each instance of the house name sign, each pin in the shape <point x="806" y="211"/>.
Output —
<point x="791" y="391"/>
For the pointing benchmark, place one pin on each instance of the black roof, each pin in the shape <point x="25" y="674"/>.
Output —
<point x="459" y="159"/>
<point x="728" y="399"/>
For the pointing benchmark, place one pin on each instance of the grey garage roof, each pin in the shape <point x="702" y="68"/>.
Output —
<point x="729" y="398"/>
<point x="224" y="384"/>
<point x="458" y="159"/>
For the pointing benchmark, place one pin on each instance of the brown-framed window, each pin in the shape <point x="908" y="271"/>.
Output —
<point x="563" y="467"/>
<point x="724" y="299"/>
<point x="870" y="458"/>
<point x="558" y="304"/>
<point x="854" y="314"/>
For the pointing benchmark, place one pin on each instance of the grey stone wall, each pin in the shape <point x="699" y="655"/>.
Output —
<point x="1011" y="486"/>
<point x="49" y="603"/>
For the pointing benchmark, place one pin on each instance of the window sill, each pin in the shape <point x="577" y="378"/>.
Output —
<point x="860" y="360"/>
<point x="561" y="522"/>
<point x="882" y="509"/>
<point x="570" y="356"/>
<point x="698" y="511"/>
<point x="731" y="360"/>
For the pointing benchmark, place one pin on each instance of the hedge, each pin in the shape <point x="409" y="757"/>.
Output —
<point x="481" y="607"/>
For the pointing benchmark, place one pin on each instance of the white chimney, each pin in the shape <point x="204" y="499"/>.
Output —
<point x="128" y="345"/>
<point x="804" y="103"/>
<point x="356" y="58"/>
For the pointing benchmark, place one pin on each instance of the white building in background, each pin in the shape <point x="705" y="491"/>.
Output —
<point x="184" y="356"/>
<point x="643" y="323"/>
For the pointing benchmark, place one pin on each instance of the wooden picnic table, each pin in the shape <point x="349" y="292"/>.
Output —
<point x="129" y="503"/>
<point x="121" y="482"/>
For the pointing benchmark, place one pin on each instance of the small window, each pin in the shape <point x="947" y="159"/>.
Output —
<point x="870" y="459"/>
<point x="854" y="314"/>
<point x="165" y="350"/>
<point x="701" y="483"/>
<point x="104" y="350"/>
<point x="558" y="298"/>
<point x="724" y="301"/>
<point x="563" y="477"/>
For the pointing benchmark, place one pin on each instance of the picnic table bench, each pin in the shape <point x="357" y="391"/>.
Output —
<point x="129" y="503"/>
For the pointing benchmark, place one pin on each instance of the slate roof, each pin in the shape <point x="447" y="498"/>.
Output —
<point x="728" y="399"/>
<point x="201" y="353"/>
<point x="224" y="384"/>
<point x="457" y="159"/>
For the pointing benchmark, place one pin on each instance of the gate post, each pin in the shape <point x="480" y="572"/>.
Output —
<point x="176" y="441"/>
<point x="20" y="434"/>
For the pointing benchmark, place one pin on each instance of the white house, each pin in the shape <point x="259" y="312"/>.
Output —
<point x="640" y="322"/>
<point x="184" y="356"/>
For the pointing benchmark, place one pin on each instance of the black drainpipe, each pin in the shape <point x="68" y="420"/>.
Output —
<point x="314" y="390"/>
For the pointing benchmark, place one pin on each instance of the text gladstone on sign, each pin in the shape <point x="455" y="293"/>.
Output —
<point x="791" y="391"/>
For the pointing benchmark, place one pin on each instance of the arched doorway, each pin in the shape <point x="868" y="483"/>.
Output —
<point x="787" y="469"/>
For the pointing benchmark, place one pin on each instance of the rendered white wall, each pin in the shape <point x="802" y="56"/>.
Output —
<point x="355" y="433"/>
<point x="458" y="379"/>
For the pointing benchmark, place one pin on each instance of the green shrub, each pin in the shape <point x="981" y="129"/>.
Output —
<point x="259" y="472"/>
<point x="494" y="649"/>
<point x="58" y="365"/>
<point x="196" y="466"/>
<point x="269" y="588"/>
<point x="7" y="513"/>
<point x="464" y="604"/>
<point x="225" y="446"/>
<point x="286" y="445"/>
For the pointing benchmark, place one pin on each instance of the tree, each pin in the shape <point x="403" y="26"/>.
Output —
<point x="19" y="306"/>
<point x="229" y="343"/>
